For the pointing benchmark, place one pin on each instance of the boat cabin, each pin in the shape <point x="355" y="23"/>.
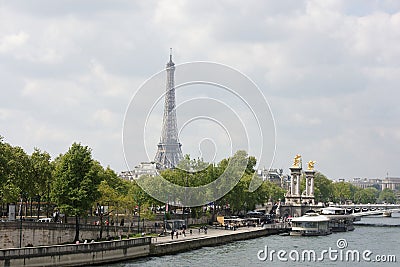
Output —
<point x="333" y="211"/>
<point x="311" y="224"/>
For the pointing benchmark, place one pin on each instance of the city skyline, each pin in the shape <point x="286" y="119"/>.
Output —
<point x="328" y="69"/>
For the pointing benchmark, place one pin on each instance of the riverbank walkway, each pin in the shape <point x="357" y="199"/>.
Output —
<point x="212" y="237"/>
<point x="213" y="232"/>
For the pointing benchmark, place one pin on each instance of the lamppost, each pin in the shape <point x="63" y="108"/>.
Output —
<point x="165" y="215"/>
<point x="117" y="212"/>
<point x="100" y="214"/>
<point x="138" y="202"/>
<point x="108" y="219"/>
<point x="20" y="223"/>
<point x="187" y="185"/>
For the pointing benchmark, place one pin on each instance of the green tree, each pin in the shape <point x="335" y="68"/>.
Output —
<point x="342" y="191"/>
<point x="8" y="191"/>
<point x="115" y="182"/>
<point x="76" y="181"/>
<point x="274" y="192"/>
<point x="367" y="195"/>
<point x="323" y="188"/>
<point x="353" y="190"/>
<point x="15" y="180"/>
<point x="387" y="195"/>
<point x="42" y="174"/>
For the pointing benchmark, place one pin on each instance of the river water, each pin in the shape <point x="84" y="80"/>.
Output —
<point x="377" y="243"/>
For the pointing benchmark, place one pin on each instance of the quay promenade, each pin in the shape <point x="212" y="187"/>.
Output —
<point x="128" y="249"/>
<point x="212" y="232"/>
<point x="214" y="236"/>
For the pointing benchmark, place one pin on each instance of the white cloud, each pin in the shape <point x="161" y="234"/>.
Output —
<point x="104" y="116"/>
<point x="13" y="41"/>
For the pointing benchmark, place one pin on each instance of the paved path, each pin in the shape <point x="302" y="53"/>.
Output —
<point x="211" y="232"/>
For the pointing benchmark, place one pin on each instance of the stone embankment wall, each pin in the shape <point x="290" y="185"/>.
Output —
<point x="46" y="234"/>
<point x="77" y="255"/>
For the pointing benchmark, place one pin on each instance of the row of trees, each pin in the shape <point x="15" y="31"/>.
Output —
<point x="77" y="184"/>
<point x="339" y="192"/>
<point x="235" y="176"/>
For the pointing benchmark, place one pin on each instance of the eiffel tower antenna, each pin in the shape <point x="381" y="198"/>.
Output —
<point x="169" y="151"/>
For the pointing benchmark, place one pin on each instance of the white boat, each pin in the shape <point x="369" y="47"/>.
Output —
<point x="387" y="213"/>
<point x="333" y="211"/>
<point x="311" y="224"/>
<point x="339" y="221"/>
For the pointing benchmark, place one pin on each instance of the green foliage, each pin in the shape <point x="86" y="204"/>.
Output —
<point x="76" y="180"/>
<point x="147" y="214"/>
<point x="387" y="195"/>
<point x="251" y="164"/>
<point x="342" y="192"/>
<point x="323" y="188"/>
<point x="274" y="192"/>
<point x="15" y="173"/>
<point x="41" y="172"/>
<point x="367" y="195"/>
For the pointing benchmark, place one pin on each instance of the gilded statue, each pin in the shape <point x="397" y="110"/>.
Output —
<point x="311" y="164"/>
<point x="297" y="161"/>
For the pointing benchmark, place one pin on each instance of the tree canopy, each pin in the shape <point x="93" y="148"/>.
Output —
<point x="76" y="183"/>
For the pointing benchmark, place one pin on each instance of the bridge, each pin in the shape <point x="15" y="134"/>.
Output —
<point x="368" y="209"/>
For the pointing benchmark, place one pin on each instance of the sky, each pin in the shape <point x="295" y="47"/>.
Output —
<point x="329" y="70"/>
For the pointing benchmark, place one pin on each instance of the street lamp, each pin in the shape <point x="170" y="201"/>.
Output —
<point x="187" y="185"/>
<point x="100" y="214"/>
<point x="117" y="212"/>
<point x="108" y="219"/>
<point x="20" y="223"/>
<point x="165" y="215"/>
<point x="138" y="202"/>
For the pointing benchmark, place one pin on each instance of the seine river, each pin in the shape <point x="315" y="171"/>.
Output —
<point x="374" y="243"/>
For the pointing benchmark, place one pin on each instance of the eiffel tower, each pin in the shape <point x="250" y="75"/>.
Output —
<point x="169" y="151"/>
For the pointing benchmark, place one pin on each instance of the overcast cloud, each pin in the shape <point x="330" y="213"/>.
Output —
<point x="329" y="69"/>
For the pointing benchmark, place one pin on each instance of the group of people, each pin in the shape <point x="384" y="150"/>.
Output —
<point x="106" y="222"/>
<point x="176" y="233"/>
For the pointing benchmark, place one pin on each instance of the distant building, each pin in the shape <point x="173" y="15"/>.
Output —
<point x="144" y="168"/>
<point x="365" y="183"/>
<point x="392" y="183"/>
<point x="275" y="176"/>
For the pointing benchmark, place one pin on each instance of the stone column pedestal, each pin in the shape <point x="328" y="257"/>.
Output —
<point x="309" y="197"/>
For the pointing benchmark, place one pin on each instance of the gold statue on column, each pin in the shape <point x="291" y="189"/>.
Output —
<point x="297" y="161"/>
<point x="311" y="164"/>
